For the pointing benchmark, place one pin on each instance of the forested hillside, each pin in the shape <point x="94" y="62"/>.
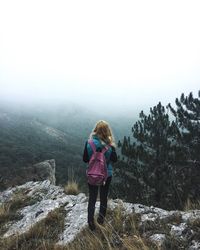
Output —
<point x="25" y="141"/>
<point x="30" y="135"/>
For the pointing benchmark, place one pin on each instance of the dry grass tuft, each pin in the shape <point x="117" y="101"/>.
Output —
<point x="5" y="215"/>
<point x="191" y="205"/>
<point x="9" y="210"/>
<point x="4" y="210"/>
<point x="72" y="188"/>
<point x="43" y="235"/>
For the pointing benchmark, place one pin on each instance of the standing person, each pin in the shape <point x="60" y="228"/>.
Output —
<point x="101" y="136"/>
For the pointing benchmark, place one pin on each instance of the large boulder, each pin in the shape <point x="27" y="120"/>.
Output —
<point x="38" y="172"/>
<point x="45" y="171"/>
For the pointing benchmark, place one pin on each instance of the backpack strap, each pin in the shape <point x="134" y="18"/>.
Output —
<point x="105" y="149"/>
<point x="90" y="141"/>
<point x="92" y="145"/>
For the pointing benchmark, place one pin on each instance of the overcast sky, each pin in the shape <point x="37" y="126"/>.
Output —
<point x="114" y="53"/>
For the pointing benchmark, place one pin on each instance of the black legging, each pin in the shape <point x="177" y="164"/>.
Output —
<point x="93" y="192"/>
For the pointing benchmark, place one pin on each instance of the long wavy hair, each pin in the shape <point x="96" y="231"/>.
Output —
<point x="103" y="130"/>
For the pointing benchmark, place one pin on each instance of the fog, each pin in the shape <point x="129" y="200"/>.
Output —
<point x="115" y="56"/>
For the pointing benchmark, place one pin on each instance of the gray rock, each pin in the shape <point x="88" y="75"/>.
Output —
<point x="194" y="245"/>
<point x="159" y="240"/>
<point x="46" y="171"/>
<point x="190" y="216"/>
<point x="177" y="231"/>
<point x="75" y="221"/>
<point x="34" y="213"/>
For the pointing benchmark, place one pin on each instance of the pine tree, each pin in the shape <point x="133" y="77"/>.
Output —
<point x="187" y="117"/>
<point x="154" y="142"/>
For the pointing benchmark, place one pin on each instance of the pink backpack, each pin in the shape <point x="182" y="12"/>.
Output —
<point x="97" y="168"/>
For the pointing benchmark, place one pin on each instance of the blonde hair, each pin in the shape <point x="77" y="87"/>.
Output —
<point x="103" y="130"/>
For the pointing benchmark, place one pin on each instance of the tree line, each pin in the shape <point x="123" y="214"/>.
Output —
<point x="160" y="164"/>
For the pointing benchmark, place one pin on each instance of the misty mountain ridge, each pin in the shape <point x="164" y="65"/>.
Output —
<point x="64" y="114"/>
<point x="33" y="134"/>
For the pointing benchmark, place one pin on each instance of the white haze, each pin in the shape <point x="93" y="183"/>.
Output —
<point x="118" y="55"/>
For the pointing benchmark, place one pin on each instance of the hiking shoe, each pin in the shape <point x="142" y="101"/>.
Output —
<point x="100" y="220"/>
<point x="91" y="226"/>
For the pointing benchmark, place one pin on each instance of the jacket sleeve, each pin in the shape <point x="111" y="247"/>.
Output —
<point x="113" y="156"/>
<point x="85" y="154"/>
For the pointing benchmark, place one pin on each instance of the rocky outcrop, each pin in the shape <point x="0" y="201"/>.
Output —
<point x="157" y="225"/>
<point x="46" y="171"/>
<point x="38" y="172"/>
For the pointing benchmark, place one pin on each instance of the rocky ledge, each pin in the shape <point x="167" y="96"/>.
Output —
<point x="35" y="200"/>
